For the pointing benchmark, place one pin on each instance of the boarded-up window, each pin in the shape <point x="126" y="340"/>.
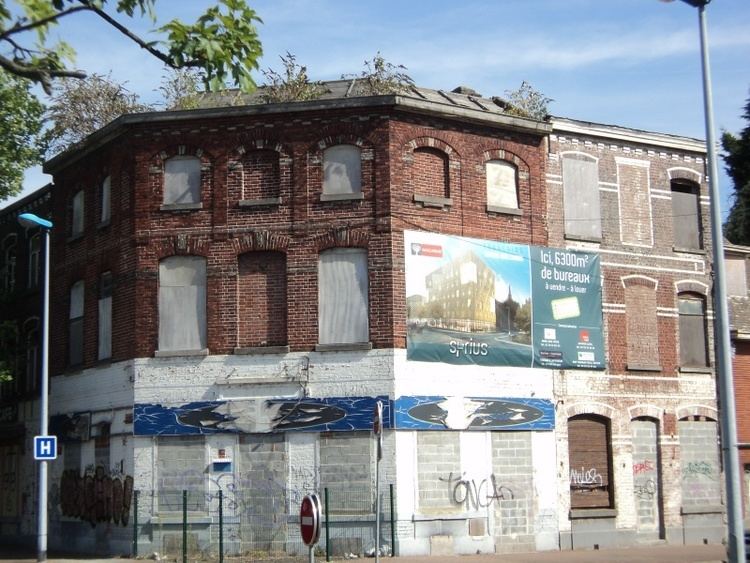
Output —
<point x="635" y="202"/>
<point x="182" y="303"/>
<point x="581" y="199"/>
<point x="261" y="175"/>
<point x="262" y="299"/>
<point x="590" y="462"/>
<point x="342" y="170"/>
<point x="342" y="296"/>
<point x="502" y="191"/>
<point x="642" y="328"/>
<point x="105" y="316"/>
<point x="182" y="180"/>
<point x="430" y="172"/>
<point x="105" y="199"/>
<point x="438" y="470"/>
<point x="346" y="464"/>
<point x="180" y="466"/>
<point x="736" y="276"/>
<point x="31" y="327"/>
<point x="686" y="215"/>
<point x="693" y="342"/>
<point x="77" y="218"/>
<point x="35" y="249"/>
<point x="8" y="270"/>
<point x="700" y="466"/>
<point x="75" y="324"/>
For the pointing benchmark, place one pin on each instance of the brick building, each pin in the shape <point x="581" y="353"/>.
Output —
<point x="739" y="311"/>
<point x="229" y="302"/>
<point x="640" y="201"/>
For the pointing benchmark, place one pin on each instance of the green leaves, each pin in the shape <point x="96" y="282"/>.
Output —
<point x="525" y="101"/>
<point x="737" y="160"/>
<point x="223" y="42"/>
<point x="21" y="140"/>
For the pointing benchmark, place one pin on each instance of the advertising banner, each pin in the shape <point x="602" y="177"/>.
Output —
<point x="472" y="301"/>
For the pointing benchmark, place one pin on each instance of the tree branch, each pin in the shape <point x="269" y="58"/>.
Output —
<point x="17" y="28"/>
<point x="130" y="35"/>
<point x="41" y="75"/>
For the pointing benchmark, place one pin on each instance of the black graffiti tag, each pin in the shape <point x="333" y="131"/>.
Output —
<point x="476" y="495"/>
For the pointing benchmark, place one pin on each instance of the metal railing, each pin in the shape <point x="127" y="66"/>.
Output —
<point x="194" y="525"/>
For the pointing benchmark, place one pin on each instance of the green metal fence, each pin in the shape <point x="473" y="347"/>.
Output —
<point x="226" y="524"/>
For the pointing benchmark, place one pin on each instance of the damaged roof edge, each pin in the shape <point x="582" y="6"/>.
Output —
<point x="618" y="132"/>
<point x="117" y="127"/>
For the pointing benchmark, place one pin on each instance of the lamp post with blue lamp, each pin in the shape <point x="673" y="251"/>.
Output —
<point x="45" y="447"/>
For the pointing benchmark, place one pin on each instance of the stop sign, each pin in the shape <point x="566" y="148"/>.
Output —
<point x="309" y="520"/>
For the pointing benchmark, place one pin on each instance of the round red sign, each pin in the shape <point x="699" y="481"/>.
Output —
<point x="309" y="520"/>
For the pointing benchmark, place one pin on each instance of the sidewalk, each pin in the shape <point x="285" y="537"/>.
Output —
<point x="655" y="554"/>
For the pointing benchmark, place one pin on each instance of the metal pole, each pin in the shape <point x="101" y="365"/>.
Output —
<point x="328" y="542"/>
<point x="221" y="526"/>
<point x="135" y="523"/>
<point x="393" y="523"/>
<point x="184" y="526"/>
<point x="377" y="502"/>
<point x="721" y="321"/>
<point x="44" y="408"/>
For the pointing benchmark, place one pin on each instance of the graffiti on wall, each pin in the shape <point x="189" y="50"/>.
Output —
<point x="475" y="495"/>
<point x="586" y="478"/>
<point x="327" y="414"/>
<point x="473" y="413"/>
<point x="95" y="496"/>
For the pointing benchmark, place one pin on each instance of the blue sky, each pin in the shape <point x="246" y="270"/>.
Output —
<point x="633" y="63"/>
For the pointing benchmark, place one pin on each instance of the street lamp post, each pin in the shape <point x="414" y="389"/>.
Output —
<point x="31" y="220"/>
<point x="721" y="316"/>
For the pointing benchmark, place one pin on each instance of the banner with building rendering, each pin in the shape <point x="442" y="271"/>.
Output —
<point x="472" y="301"/>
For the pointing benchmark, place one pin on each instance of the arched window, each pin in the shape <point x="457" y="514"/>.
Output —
<point x="182" y="180"/>
<point x="182" y="304"/>
<point x="693" y="338"/>
<point x="502" y="185"/>
<point x="686" y="215"/>
<point x="342" y="171"/>
<point x="8" y="269"/>
<point x="105" y="200"/>
<point x="35" y="249"/>
<point x="430" y="172"/>
<point x="75" y="324"/>
<point x="590" y="457"/>
<point x="77" y="220"/>
<point x="342" y="296"/>
<point x="262" y="299"/>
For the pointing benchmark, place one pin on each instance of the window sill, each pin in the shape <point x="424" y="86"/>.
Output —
<point x="504" y="210"/>
<point x="252" y="350"/>
<point x="643" y="367"/>
<point x="181" y="206"/>
<point x="178" y="353"/>
<point x="698" y="251"/>
<point x="580" y="238"/>
<point x="583" y="513"/>
<point x="260" y="202"/>
<point x="432" y="201"/>
<point x="703" y="509"/>
<point x="343" y="347"/>
<point x="103" y="225"/>
<point x="700" y="369"/>
<point x="342" y="197"/>
<point x="74" y="238"/>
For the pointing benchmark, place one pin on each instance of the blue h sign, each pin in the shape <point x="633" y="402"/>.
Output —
<point x="45" y="447"/>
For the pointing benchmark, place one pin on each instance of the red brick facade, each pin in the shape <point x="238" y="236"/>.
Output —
<point x="260" y="192"/>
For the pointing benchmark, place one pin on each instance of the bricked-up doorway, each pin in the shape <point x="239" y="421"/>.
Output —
<point x="590" y="455"/>
<point x="647" y="482"/>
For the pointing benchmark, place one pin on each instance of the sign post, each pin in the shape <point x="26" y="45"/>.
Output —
<point x="309" y="522"/>
<point x="377" y="430"/>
